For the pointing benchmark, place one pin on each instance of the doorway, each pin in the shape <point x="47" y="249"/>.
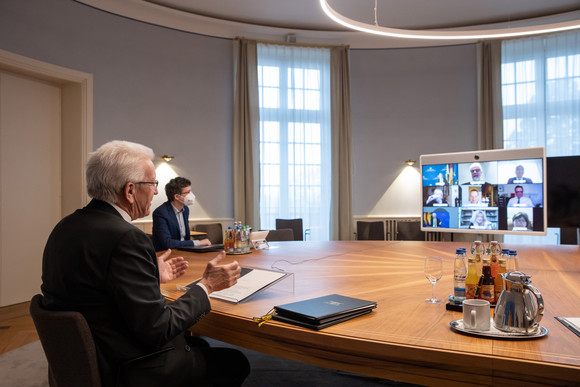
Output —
<point x="45" y="138"/>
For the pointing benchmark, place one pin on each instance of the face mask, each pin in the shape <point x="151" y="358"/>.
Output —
<point x="189" y="199"/>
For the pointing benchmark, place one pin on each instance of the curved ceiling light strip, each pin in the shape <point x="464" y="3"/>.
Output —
<point x="447" y="34"/>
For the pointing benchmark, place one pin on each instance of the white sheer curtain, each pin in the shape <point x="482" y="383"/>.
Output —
<point x="541" y="93"/>
<point x="295" y="138"/>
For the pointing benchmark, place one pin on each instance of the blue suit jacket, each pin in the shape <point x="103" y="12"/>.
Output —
<point x="166" y="234"/>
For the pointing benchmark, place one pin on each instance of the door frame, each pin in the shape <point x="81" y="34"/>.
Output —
<point x="77" y="121"/>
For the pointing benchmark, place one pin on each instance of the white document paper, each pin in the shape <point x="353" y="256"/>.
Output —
<point x="572" y="323"/>
<point x="247" y="285"/>
<point x="575" y="321"/>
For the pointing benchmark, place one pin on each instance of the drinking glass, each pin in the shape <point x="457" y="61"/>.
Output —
<point x="433" y="272"/>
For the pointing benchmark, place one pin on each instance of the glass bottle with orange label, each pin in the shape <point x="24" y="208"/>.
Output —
<point x="471" y="280"/>
<point x="477" y="250"/>
<point x="498" y="284"/>
<point x="494" y="252"/>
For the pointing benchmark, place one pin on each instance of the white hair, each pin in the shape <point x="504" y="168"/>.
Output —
<point x="113" y="165"/>
<point x="475" y="165"/>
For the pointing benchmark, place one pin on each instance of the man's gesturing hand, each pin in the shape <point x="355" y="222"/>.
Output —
<point x="170" y="268"/>
<point x="217" y="277"/>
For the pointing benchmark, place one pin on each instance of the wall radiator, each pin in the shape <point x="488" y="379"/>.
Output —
<point x="391" y="227"/>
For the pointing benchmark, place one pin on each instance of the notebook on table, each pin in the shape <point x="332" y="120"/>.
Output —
<point x="202" y="249"/>
<point x="321" y="312"/>
<point x="252" y="281"/>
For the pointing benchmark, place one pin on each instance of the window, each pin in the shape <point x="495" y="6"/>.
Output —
<point x="540" y="79"/>
<point x="294" y="91"/>
<point x="541" y="93"/>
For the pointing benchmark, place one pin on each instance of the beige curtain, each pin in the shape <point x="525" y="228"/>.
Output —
<point x="246" y="134"/>
<point x="489" y="109"/>
<point x="341" y="216"/>
<point x="246" y="139"/>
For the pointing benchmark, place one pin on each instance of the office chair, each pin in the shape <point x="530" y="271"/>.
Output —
<point x="410" y="231"/>
<point x="569" y="235"/>
<point x="68" y="345"/>
<point x="370" y="231"/>
<point x="214" y="232"/>
<point x="294" y="224"/>
<point x="283" y="234"/>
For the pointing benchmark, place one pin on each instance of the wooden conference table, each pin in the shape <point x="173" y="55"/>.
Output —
<point x="404" y="339"/>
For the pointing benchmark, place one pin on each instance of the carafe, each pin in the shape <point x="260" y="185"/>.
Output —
<point x="520" y="306"/>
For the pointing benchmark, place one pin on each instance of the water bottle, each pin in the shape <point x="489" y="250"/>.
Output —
<point x="512" y="262"/>
<point x="459" y="275"/>
<point x="505" y="254"/>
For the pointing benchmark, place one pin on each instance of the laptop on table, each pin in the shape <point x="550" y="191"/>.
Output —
<point x="203" y="249"/>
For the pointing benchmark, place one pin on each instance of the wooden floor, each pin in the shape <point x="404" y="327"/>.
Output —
<point x="16" y="327"/>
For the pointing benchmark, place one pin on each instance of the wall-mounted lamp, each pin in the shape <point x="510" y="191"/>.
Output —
<point x="167" y="158"/>
<point x="410" y="162"/>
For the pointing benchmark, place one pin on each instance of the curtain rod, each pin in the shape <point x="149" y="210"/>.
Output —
<point x="313" y="45"/>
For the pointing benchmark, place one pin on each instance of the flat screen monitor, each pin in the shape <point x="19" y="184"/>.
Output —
<point x="485" y="192"/>
<point x="563" y="188"/>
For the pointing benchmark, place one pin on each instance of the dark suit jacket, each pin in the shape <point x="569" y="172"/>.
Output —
<point x="166" y="233"/>
<point x="100" y="265"/>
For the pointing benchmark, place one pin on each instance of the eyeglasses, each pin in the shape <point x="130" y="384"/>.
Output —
<point x="155" y="183"/>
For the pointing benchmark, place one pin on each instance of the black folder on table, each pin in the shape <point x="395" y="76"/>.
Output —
<point x="202" y="249"/>
<point x="322" y="312"/>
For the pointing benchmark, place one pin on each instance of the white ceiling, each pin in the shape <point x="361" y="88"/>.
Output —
<point x="273" y="19"/>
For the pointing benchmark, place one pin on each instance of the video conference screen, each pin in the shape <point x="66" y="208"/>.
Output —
<point x="490" y="192"/>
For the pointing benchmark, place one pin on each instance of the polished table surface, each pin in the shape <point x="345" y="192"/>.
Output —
<point x="404" y="339"/>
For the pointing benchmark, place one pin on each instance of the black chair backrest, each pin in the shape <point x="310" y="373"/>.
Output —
<point x="410" y="231"/>
<point x="68" y="345"/>
<point x="214" y="232"/>
<point x="294" y="224"/>
<point x="283" y="234"/>
<point x="370" y="231"/>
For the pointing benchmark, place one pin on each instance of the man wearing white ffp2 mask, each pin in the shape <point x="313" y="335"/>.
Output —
<point x="189" y="199"/>
<point x="171" y="219"/>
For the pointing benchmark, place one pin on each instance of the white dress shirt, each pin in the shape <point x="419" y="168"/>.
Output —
<point x="520" y="202"/>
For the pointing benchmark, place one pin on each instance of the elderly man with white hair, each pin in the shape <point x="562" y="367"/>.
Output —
<point x="99" y="264"/>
